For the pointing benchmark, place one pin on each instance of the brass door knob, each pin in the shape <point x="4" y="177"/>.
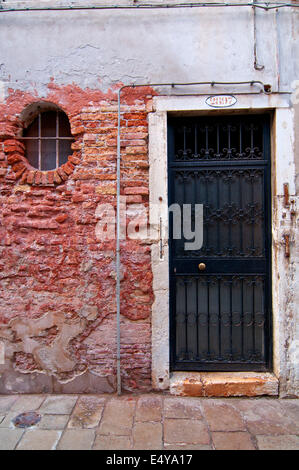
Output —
<point x="201" y="266"/>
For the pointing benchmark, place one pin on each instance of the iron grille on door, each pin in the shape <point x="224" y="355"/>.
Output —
<point x="220" y="317"/>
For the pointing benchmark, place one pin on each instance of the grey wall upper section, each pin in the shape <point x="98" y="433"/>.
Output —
<point x="98" y="48"/>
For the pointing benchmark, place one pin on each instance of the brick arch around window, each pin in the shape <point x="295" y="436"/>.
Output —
<point x="19" y="148"/>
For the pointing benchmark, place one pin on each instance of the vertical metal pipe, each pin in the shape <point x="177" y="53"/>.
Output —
<point x="257" y="66"/>
<point x="57" y="140"/>
<point x="39" y="141"/>
<point x="118" y="249"/>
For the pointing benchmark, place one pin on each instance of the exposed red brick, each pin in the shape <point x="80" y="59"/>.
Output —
<point x="50" y="177"/>
<point x="61" y="218"/>
<point x="13" y="145"/>
<point x="19" y="173"/>
<point x="62" y="174"/>
<point x="14" y="158"/>
<point x="77" y="130"/>
<point x="38" y="177"/>
<point x="30" y="177"/>
<point x="134" y="116"/>
<point x="57" y="178"/>
<point x="138" y="190"/>
<point x="68" y="168"/>
<point x="24" y="177"/>
<point x="19" y="167"/>
<point x="74" y="160"/>
<point x="44" y="178"/>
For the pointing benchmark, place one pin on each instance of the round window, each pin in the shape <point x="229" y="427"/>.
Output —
<point x="48" y="140"/>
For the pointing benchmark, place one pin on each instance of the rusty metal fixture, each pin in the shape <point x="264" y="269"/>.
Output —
<point x="286" y="201"/>
<point x="267" y="88"/>
<point x="201" y="266"/>
<point x="256" y="64"/>
<point x="27" y="419"/>
<point x="293" y="208"/>
<point x="287" y="245"/>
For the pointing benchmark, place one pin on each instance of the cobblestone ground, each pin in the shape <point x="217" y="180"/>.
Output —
<point x="151" y="421"/>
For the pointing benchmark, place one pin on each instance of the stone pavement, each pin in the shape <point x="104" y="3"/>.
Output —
<point x="151" y="421"/>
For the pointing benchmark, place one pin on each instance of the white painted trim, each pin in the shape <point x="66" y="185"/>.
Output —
<point x="283" y="171"/>
<point x="158" y="190"/>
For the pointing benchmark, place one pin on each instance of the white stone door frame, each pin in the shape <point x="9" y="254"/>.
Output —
<point x="283" y="171"/>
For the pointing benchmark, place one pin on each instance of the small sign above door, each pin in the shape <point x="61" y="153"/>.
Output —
<point x="221" y="101"/>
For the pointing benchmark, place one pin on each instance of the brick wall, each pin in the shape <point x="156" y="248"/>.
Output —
<point x="57" y="293"/>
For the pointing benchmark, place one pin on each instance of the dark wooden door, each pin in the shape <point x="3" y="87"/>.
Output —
<point x="220" y="317"/>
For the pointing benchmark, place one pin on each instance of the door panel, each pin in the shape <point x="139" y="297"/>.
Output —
<point x="220" y="317"/>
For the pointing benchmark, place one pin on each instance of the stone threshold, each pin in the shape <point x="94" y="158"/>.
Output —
<point x="223" y="384"/>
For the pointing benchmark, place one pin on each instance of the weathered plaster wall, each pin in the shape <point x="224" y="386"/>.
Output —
<point x="57" y="305"/>
<point x="145" y="46"/>
<point x="285" y="265"/>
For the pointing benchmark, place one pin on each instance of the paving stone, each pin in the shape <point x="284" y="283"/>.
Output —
<point x="262" y="408"/>
<point x="7" y="421"/>
<point x="185" y="431"/>
<point x="274" y="422"/>
<point x="147" y="436"/>
<point x="267" y="417"/>
<point x="222" y="417"/>
<point x="182" y="408"/>
<point x="39" y="439"/>
<point x="87" y="413"/>
<point x="58" y="404"/>
<point x="232" y="441"/>
<point x="27" y="403"/>
<point x="103" y="442"/>
<point x="270" y="427"/>
<point x="285" y="442"/>
<point x="149" y="408"/>
<point x="6" y="403"/>
<point x="53" y="421"/>
<point x="77" y="439"/>
<point x="290" y="408"/>
<point x="9" y="438"/>
<point x="118" y="417"/>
